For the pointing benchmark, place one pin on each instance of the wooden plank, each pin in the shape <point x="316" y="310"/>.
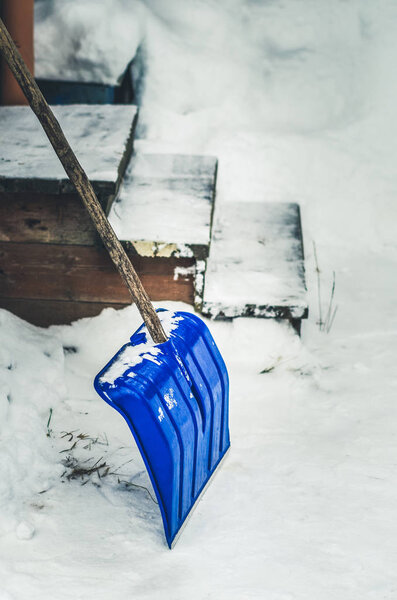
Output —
<point x="256" y="265"/>
<point x="100" y="135"/>
<point x="86" y="274"/>
<point x="45" y="218"/>
<point x="165" y="204"/>
<point x="54" y="312"/>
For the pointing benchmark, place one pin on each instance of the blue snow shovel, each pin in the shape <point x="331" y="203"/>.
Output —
<point x="174" y="397"/>
<point x="169" y="381"/>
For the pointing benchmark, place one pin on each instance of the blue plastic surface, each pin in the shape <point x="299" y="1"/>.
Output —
<point x="174" y="397"/>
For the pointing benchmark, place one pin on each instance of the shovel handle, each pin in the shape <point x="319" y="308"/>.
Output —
<point x="82" y="184"/>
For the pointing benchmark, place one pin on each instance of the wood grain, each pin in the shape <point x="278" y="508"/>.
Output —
<point x="54" y="312"/>
<point x="45" y="218"/>
<point x="85" y="274"/>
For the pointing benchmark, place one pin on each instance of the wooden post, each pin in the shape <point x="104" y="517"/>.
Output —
<point x="18" y="16"/>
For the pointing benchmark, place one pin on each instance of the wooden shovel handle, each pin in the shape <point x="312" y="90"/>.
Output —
<point x="81" y="182"/>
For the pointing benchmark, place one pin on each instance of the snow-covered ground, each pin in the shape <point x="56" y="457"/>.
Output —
<point x="297" y="99"/>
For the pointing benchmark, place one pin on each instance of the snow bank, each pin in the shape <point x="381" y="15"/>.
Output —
<point x="295" y="99"/>
<point x="81" y="525"/>
<point x="31" y="384"/>
<point x="303" y="66"/>
<point x="86" y="40"/>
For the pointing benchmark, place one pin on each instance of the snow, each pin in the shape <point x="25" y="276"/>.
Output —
<point x="134" y="355"/>
<point x="297" y="99"/>
<point x="255" y="260"/>
<point x="129" y="357"/>
<point x="25" y="531"/>
<point x="80" y="42"/>
<point x="184" y="272"/>
<point x="98" y="135"/>
<point x="165" y="202"/>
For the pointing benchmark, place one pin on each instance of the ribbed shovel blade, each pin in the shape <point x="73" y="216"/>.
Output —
<point x="174" y="397"/>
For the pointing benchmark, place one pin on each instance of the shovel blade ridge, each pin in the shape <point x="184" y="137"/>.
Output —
<point x="175" y="399"/>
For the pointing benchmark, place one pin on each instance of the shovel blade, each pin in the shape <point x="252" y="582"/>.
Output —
<point x="175" y="399"/>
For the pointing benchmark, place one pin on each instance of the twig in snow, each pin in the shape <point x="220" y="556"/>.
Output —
<point x="267" y="370"/>
<point x="85" y="470"/>
<point x="332" y="319"/>
<point x="330" y="313"/>
<point x="129" y="484"/>
<point x="76" y="470"/>
<point x="326" y="324"/>
<point x="328" y="316"/>
<point x="49" y="431"/>
<point x="320" y="317"/>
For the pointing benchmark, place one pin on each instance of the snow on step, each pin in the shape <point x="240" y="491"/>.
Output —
<point x="100" y="135"/>
<point x="165" y="204"/>
<point x="256" y="264"/>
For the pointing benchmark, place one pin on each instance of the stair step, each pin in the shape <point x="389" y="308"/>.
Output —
<point x="165" y="205"/>
<point x="256" y="262"/>
<point x="53" y="266"/>
<point x="100" y="135"/>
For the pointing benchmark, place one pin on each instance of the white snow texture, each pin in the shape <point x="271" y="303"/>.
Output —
<point x="297" y="99"/>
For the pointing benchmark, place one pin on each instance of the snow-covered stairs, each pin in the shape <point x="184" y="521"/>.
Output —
<point x="53" y="267"/>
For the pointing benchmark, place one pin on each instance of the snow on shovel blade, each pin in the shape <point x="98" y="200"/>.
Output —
<point x="174" y="397"/>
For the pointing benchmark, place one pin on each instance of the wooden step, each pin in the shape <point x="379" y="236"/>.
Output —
<point x="100" y="135"/>
<point x="165" y="204"/>
<point x="256" y="263"/>
<point x="165" y="208"/>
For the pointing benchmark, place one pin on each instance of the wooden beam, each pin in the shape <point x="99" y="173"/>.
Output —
<point x="45" y="218"/>
<point x="18" y="16"/>
<point x="54" y="312"/>
<point x="85" y="274"/>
